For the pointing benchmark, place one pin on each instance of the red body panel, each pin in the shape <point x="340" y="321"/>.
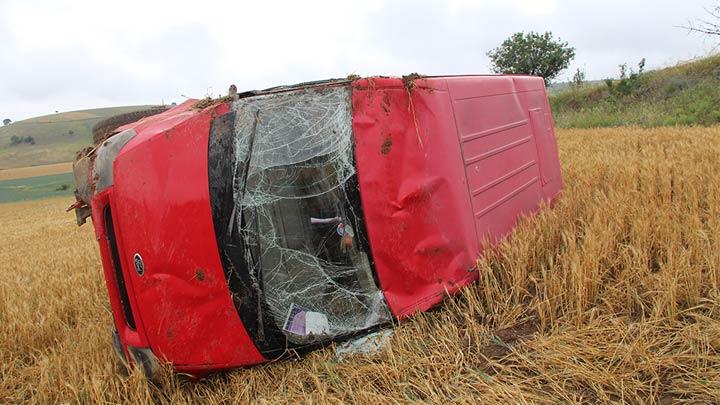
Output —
<point x="443" y="166"/>
<point x="413" y="191"/>
<point x="161" y="210"/>
<point x="508" y="146"/>
<point x="128" y="335"/>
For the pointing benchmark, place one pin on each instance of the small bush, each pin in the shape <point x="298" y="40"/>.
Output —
<point x="578" y="78"/>
<point x="17" y="140"/>
<point x="680" y="95"/>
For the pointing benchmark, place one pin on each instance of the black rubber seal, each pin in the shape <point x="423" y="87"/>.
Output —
<point x="269" y="340"/>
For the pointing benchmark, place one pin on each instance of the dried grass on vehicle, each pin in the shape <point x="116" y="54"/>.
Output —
<point x="611" y="296"/>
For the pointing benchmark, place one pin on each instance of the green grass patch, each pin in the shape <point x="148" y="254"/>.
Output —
<point x="33" y="188"/>
<point x="57" y="136"/>
<point x="687" y="94"/>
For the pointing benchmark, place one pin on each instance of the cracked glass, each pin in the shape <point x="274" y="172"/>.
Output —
<point x="296" y="204"/>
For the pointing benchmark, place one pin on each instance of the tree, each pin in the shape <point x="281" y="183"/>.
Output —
<point x="17" y="140"/>
<point x="7" y="121"/>
<point x="707" y="27"/>
<point x="532" y="54"/>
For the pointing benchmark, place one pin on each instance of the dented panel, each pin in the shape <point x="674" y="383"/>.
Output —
<point x="414" y="191"/>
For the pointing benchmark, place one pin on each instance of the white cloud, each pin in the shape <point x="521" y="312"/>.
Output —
<point x="536" y="7"/>
<point x="65" y="55"/>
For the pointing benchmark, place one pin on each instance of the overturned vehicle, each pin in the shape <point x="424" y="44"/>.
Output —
<point x="238" y="230"/>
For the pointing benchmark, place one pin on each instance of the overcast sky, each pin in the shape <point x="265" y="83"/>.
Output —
<point x="69" y="55"/>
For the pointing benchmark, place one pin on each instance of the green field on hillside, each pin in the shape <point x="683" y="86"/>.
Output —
<point x="33" y="188"/>
<point x="56" y="136"/>
<point x="686" y="94"/>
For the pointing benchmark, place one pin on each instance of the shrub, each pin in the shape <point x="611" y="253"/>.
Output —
<point x="532" y="54"/>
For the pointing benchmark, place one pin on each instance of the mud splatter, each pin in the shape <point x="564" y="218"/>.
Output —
<point x="386" y="146"/>
<point x="409" y="81"/>
<point x="386" y="103"/>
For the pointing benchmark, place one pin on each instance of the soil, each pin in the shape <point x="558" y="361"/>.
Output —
<point x="504" y="339"/>
<point x="409" y="80"/>
<point x="386" y="146"/>
<point x="517" y="332"/>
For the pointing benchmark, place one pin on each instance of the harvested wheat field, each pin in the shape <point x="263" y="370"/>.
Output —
<point x="33" y="171"/>
<point x="612" y="296"/>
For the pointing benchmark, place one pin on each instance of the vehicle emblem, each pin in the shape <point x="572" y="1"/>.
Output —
<point x="139" y="264"/>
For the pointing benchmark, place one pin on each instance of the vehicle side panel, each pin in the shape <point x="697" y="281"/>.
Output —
<point x="447" y="166"/>
<point x="508" y="145"/>
<point x="413" y="192"/>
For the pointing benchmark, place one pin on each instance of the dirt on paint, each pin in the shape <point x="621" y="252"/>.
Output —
<point x="386" y="103"/>
<point x="209" y="101"/>
<point x="386" y="146"/>
<point x="409" y="81"/>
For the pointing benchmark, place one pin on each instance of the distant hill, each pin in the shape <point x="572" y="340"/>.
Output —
<point x="686" y="94"/>
<point x="56" y="136"/>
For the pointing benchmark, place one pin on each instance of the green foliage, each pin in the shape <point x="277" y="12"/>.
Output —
<point x="630" y="81"/>
<point x="578" y="78"/>
<point x="7" y="121"/>
<point x="532" y="54"/>
<point x="709" y="27"/>
<point x="51" y="133"/>
<point x="17" y="140"/>
<point x="686" y="94"/>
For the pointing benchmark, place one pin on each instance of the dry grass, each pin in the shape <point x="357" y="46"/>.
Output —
<point x="33" y="171"/>
<point x="611" y="296"/>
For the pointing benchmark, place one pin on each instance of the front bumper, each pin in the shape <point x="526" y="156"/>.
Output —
<point x="141" y="357"/>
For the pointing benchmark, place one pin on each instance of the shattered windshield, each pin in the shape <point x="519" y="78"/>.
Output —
<point x="297" y="206"/>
